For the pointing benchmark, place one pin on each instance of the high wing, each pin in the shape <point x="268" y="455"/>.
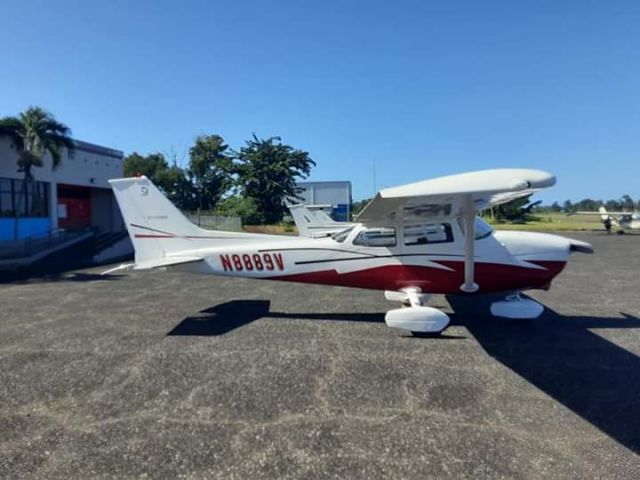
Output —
<point x="601" y="213"/>
<point x="445" y="196"/>
<point x="460" y="196"/>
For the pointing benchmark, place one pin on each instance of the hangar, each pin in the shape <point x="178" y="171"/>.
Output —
<point x="74" y="195"/>
<point x="336" y="194"/>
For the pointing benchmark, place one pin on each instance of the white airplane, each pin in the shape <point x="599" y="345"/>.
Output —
<point x="313" y="221"/>
<point x="623" y="220"/>
<point x="410" y="241"/>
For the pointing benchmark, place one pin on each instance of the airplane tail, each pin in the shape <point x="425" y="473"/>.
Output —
<point x="158" y="229"/>
<point x="313" y="221"/>
<point x="604" y="213"/>
<point x="302" y="219"/>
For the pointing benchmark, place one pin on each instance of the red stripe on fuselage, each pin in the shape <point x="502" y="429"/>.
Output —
<point x="491" y="277"/>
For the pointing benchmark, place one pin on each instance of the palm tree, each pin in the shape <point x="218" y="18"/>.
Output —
<point x="34" y="133"/>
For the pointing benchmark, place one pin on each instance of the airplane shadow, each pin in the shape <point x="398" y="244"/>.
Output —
<point x="563" y="357"/>
<point x="30" y="277"/>
<point x="223" y="318"/>
<point x="560" y="355"/>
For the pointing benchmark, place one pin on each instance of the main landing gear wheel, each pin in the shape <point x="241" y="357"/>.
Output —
<point x="415" y="317"/>
<point x="419" y="320"/>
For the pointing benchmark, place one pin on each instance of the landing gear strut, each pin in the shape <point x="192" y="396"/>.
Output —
<point x="416" y="318"/>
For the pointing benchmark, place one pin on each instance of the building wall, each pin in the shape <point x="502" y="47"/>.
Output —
<point x="101" y="205"/>
<point x="87" y="165"/>
<point x="28" y="227"/>
<point x="336" y="194"/>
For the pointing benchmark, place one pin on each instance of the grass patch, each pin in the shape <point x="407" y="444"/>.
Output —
<point x="553" y="222"/>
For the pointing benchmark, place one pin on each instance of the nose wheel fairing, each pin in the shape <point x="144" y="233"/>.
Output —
<point x="516" y="307"/>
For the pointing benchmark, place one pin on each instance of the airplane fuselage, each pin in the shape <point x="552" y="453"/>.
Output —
<point x="504" y="261"/>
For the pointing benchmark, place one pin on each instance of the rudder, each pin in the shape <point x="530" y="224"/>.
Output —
<point x="153" y="222"/>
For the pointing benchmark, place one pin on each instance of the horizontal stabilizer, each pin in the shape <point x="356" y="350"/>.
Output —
<point x="156" y="263"/>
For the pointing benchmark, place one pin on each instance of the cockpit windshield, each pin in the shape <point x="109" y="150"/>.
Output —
<point x="482" y="228"/>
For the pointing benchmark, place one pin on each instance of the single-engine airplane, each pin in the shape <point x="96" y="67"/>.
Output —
<point x="313" y="221"/>
<point x="625" y="221"/>
<point x="410" y="241"/>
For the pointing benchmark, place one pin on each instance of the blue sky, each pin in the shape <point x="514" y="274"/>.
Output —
<point x="421" y="88"/>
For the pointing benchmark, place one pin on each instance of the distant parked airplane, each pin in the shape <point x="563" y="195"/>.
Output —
<point x="312" y="221"/>
<point x="625" y="221"/>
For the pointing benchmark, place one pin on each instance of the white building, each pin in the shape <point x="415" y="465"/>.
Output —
<point x="335" y="194"/>
<point x="75" y="194"/>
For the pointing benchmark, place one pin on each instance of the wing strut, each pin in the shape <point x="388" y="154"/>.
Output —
<point x="469" y="216"/>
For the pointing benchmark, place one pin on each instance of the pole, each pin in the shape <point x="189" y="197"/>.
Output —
<point x="375" y="185"/>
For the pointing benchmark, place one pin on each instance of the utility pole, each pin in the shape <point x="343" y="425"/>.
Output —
<point x="375" y="186"/>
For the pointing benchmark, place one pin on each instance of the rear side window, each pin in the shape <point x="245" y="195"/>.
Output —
<point x="376" y="237"/>
<point x="427" y="233"/>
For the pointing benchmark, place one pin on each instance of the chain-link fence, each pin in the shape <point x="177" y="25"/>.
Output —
<point x="215" y="222"/>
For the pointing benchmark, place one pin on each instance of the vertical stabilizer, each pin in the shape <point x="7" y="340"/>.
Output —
<point x="155" y="225"/>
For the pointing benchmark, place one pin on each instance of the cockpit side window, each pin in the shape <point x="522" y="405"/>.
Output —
<point x="376" y="237"/>
<point x="428" y="233"/>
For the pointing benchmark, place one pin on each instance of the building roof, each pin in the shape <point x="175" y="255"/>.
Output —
<point x="99" y="149"/>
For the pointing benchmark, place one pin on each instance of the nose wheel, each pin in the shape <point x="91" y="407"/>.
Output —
<point x="516" y="307"/>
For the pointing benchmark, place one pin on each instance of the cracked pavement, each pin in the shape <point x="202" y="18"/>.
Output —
<point x="167" y="375"/>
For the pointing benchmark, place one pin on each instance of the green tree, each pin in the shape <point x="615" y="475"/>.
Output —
<point x="568" y="207"/>
<point x="627" y="203"/>
<point x="35" y="132"/>
<point x="267" y="172"/>
<point x="237" y="206"/>
<point x="588" y="205"/>
<point x="358" y="206"/>
<point x="514" y="210"/>
<point x="613" y="205"/>
<point x="150" y="165"/>
<point x="172" y="180"/>
<point x="210" y="169"/>
<point x="178" y="188"/>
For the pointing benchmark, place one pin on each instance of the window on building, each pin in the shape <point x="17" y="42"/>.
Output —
<point x="30" y="202"/>
<point x="428" y="233"/>
<point x="376" y="237"/>
<point x="19" y="198"/>
<point x="39" y="202"/>
<point x="6" y="198"/>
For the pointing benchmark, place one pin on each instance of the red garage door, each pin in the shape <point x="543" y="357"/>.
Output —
<point x="74" y="206"/>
